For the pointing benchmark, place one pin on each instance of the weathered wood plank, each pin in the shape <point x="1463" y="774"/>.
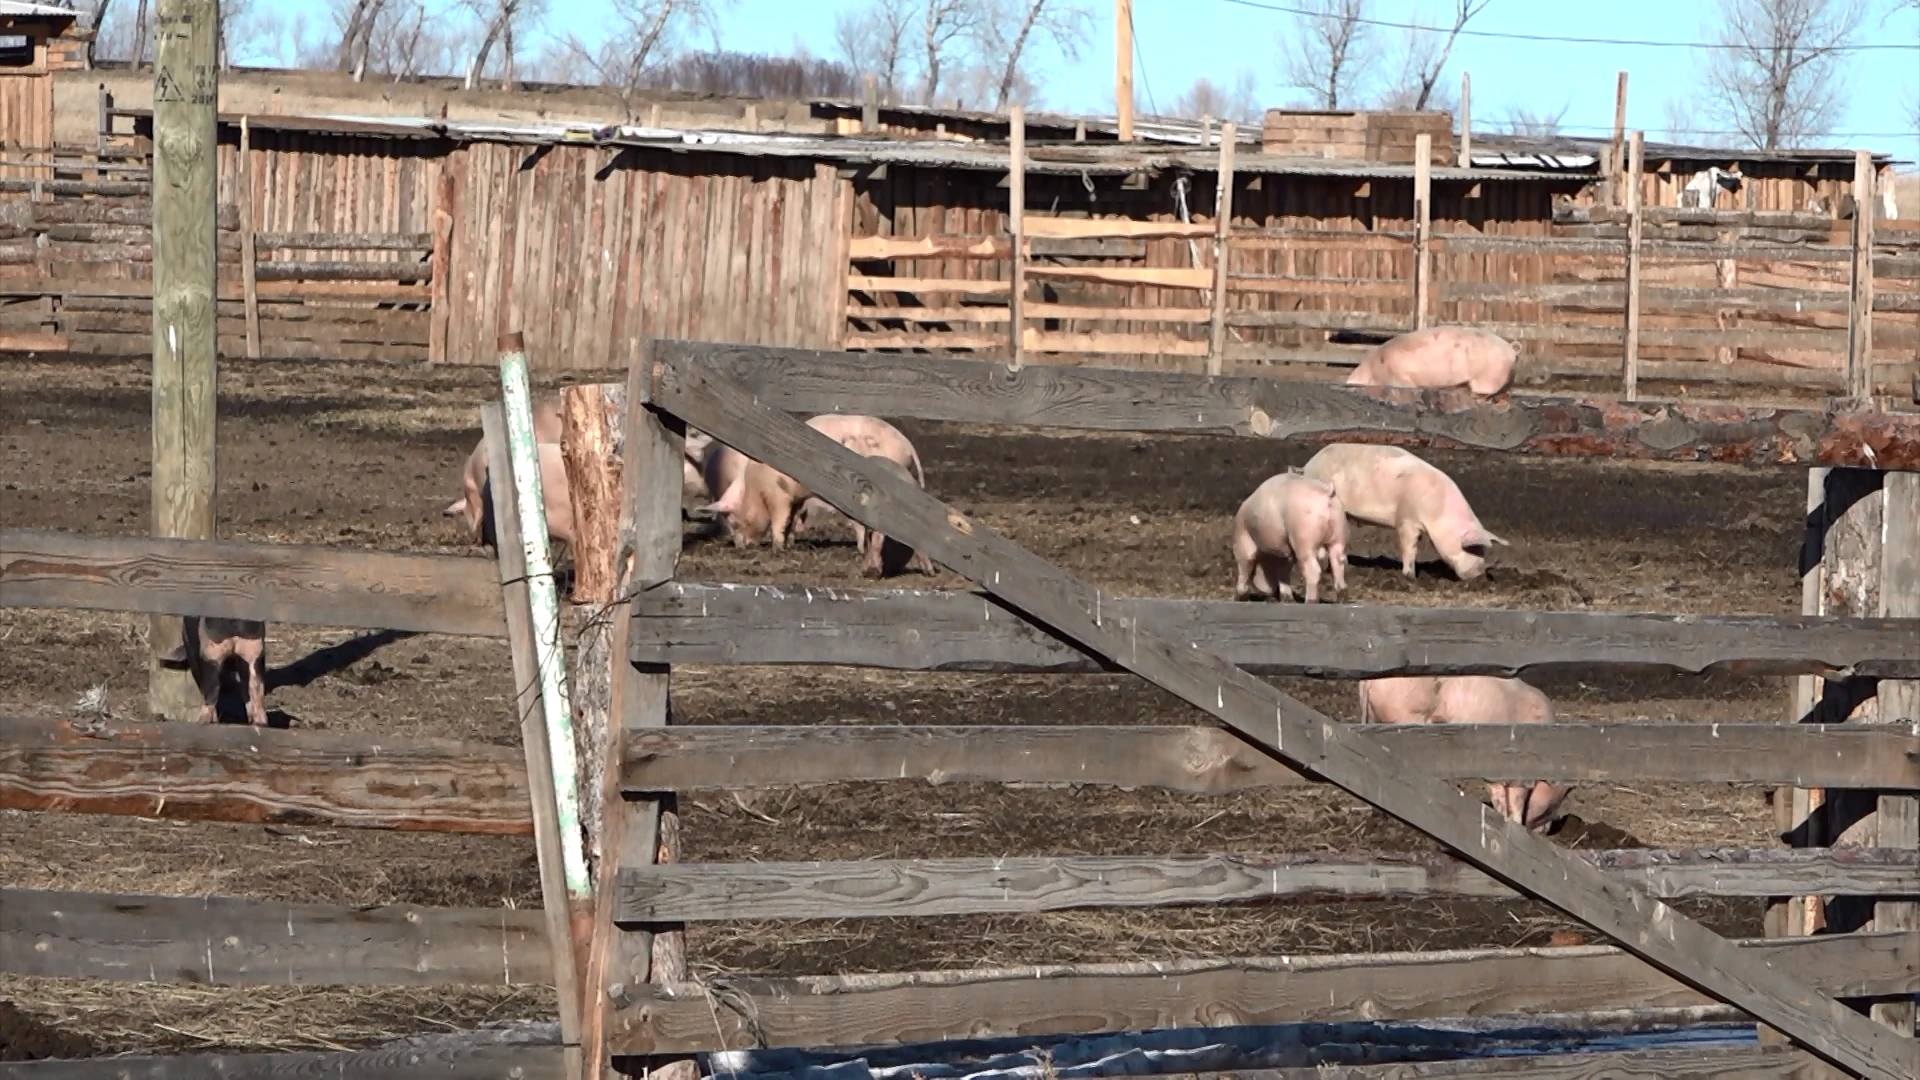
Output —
<point x="281" y="583"/>
<point x="864" y="248"/>
<point x="1715" y="1063"/>
<point x="865" y="1010"/>
<point x="694" y="892"/>
<point x="1302" y="736"/>
<point x="194" y="772"/>
<point x="502" y="1061"/>
<point x="326" y="241"/>
<point x="691" y="623"/>
<point x="1037" y="340"/>
<point x="1207" y="760"/>
<point x="1166" y="277"/>
<point x="228" y="941"/>
<point x="868" y="283"/>
<point x="1109" y="399"/>
<point x="1058" y="228"/>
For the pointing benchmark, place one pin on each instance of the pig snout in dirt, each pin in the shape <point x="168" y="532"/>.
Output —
<point x="209" y="648"/>
<point x="1438" y="358"/>
<point x="1289" y="519"/>
<point x="1385" y="485"/>
<point x="1486" y="699"/>
<point x="882" y="555"/>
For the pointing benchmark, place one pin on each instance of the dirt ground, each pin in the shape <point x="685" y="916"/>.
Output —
<point x="365" y="456"/>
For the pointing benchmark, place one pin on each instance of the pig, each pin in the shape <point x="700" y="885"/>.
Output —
<point x="875" y="545"/>
<point x="1439" y="357"/>
<point x="1289" y="516"/>
<point x="208" y="648"/>
<point x="476" y="504"/>
<point x="693" y="483"/>
<point x="1385" y="485"/>
<point x="759" y="500"/>
<point x="1485" y="699"/>
<point x="1406" y="699"/>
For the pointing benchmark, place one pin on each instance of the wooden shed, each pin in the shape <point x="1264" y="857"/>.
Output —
<point x="36" y="40"/>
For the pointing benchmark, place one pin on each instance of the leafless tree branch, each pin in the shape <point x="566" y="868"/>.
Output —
<point x="1329" y="51"/>
<point x="874" y="39"/>
<point x="1777" y="77"/>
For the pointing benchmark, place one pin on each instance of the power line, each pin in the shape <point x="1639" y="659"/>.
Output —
<point x="1140" y="57"/>
<point x="1501" y="35"/>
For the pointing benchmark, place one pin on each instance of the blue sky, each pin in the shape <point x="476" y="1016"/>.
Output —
<point x="1180" y="40"/>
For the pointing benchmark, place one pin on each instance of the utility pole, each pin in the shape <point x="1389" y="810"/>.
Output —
<point x="1123" y="66"/>
<point x="186" y="92"/>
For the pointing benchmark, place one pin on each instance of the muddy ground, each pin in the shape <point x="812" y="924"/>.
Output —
<point x="365" y="456"/>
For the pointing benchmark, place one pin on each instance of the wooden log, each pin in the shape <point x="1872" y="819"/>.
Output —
<point x="1117" y="314"/>
<point x="1860" y="278"/>
<point x="520" y="1061"/>
<point x="1208" y="761"/>
<point x="925" y="339"/>
<point x="33" y="342"/>
<point x="696" y="892"/>
<point x="1897" y="816"/>
<point x="868" y="1010"/>
<point x="249" y="256"/>
<point x="1422" y="227"/>
<point x="184" y="346"/>
<point x="1051" y="395"/>
<point x="1630" y="338"/>
<point x="228" y="941"/>
<point x="279" y="583"/>
<point x="446" y="197"/>
<point x="1166" y="277"/>
<point x="970" y="286"/>
<point x="868" y="248"/>
<point x="384" y="270"/>
<point x="1064" y="228"/>
<point x="1303" y="737"/>
<point x="1036" y="340"/>
<point x="1017" y="233"/>
<point x="1687" y="251"/>
<point x="104" y="188"/>
<point x="1702" y="299"/>
<point x="1222" y="234"/>
<point x="413" y="243"/>
<point x="689" y="623"/>
<point x="1296" y="285"/>
<point x="972" y="314"/>
<point x="237" y="774"/>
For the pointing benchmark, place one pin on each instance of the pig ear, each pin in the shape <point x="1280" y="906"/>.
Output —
<point x="730" y="502"/>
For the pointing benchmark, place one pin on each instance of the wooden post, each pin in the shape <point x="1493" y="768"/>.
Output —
<point x="440" y="313"/>
<point x="540" y="675"/>
<point x="1017" y="227"/>
<point x="105" y="121"/>
<point x="869" y="104"/>
<point x="1466" y="120"/>
<point x="653" y="115"/>
<point x="1222" y="232"/>
<point x="1630" y="337"/>
<point x="515" y="592"/>
<point x="1619" y="133"/>
<point x="1899" y="815"/>
<point x="1079" y="131"/>
<point x="1123" y="66"/>
<point x="1423" y="226"/>
<point x="1206" y="132"/>
<point x="1860" y="297"/>
<point x="185" y="89"/>
<point x="249" y="264"/>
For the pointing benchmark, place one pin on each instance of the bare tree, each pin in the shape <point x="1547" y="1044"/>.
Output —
<point x="356" y="19"/>
<point x="874" y="39"/>
<point x="500" y="20"/>
<point x="1427" y="51"/>
<point x="1775" y="76"/>
<point x="1004" y="29"/>
<point x="1240" y="102"/>
<point x="642" y="31"/>
<point x="1531" y="123"/>
<point x="945" y="24"/>
<point x="1329" y="51"/>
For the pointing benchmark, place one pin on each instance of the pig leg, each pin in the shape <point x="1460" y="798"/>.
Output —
<point x="1246" y="566"/>
<point x="1279" y="576"/>
<point x="1541" y="802"/>
<point x="206" y="673"/>
<point x="256" y="683"/>
<point x="782" y="513"/>
<point x="871" y="565"/>
<point x="1409" y="534"/>
<point x="1337" y="564"/>
<point x="1309" y="572"/>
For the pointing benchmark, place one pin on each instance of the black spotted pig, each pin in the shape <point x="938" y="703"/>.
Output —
<point x="209" y="646"/>
<point x="883" y="553"/>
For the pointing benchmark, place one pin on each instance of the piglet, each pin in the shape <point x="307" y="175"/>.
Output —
<point x="1385" y="485"/>
<point x="1437" y="358"/>
<point x="476" y="501"/>
<point x="883" y="553"/>
<point x="210" y="646"/>
<point x="761" y="501"/>
<point x="1485" y="699"/>
<point x="1289" y="517"/>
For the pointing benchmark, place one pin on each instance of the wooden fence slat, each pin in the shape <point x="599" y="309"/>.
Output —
<point x="194" y="772"/>
<point x="1060" y="228"/>
<point x="229" y="941"/>
<point x="280" y="583"/>
<point x="695" y="892"/>
<point x="1206" y="760"/>
<point x="493" y="1061"/>
<point x="1667" y="939"/>
<point x="1111" y="399"/>
<point x="691" y="623"/>
<point x="868" y="283"/>
<point x="867" y="1010"/>
<point x="1166" y="277"/>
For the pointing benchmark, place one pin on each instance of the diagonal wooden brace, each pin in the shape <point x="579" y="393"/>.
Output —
<point x="1280" y="725"/>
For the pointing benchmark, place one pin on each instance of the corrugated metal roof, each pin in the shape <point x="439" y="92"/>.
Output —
<point x="28" y="9"/>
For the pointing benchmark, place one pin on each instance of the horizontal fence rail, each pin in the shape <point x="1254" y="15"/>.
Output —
<point x="1112" y="399"/>
<point x="280" y="583"/>
<point x="228" y="941"/>
<point x="242" y="774"/>
<point x="486" y="1061"/>
<point x="865" y="1010"/>
<point x="695" y="892"/>
<point x="686" y="623"/>
<point x="1209" y="760"/>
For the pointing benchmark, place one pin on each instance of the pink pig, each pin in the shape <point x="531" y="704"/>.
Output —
<point x="1405" y="699"/>
<point x="1439" y="357"/>
<point x="877" y="546"/>
<point x="1485" y="699"/>
<point x="476" y="503"/>
<point x="1385" y="485"/>
<point x="759" y="500"/>
<point x="1289" y="517"/>
<point x="209" y="646"/>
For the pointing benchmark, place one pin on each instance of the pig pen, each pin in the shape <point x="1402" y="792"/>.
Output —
<point x="365" y="457"/>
